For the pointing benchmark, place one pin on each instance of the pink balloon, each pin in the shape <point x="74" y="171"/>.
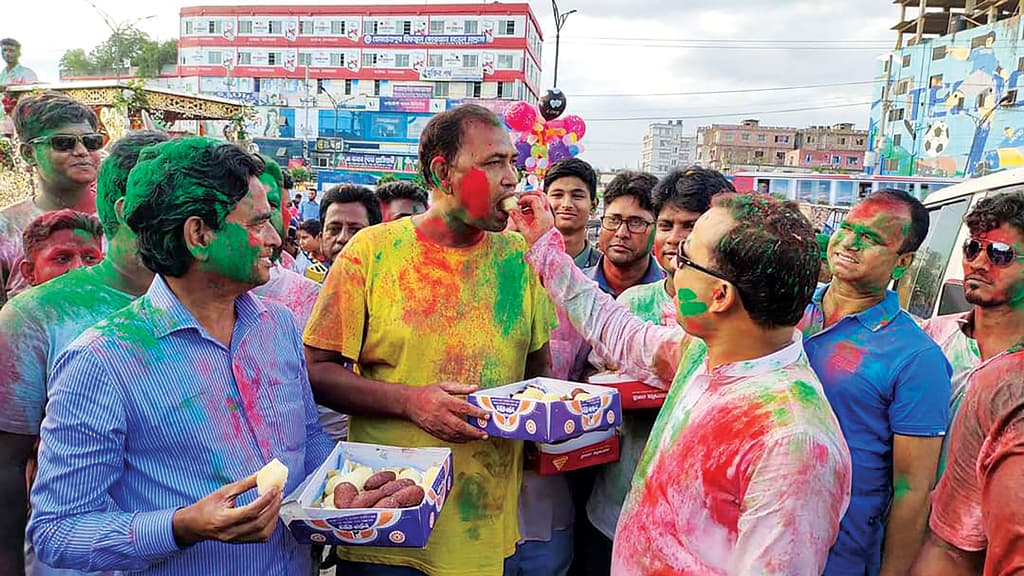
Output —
<point x="575" y="125"/>
<point x="521" y="116"/>
<point x="555" y="124"/>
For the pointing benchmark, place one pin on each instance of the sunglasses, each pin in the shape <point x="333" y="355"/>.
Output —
<point x="683" y="260"/>
<point x="1000" y="254"/>
<point x="67" y="142"/>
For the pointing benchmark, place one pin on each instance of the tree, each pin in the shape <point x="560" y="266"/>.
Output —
<point x="389" y="177"/>
<point x="115" y="55"/>
<point x="299" y="174"/>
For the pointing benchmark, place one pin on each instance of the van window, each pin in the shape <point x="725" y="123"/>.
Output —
<point x="920" y="286"/>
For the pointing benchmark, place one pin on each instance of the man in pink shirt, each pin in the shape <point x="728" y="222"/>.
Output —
<point x="746" y="470"/>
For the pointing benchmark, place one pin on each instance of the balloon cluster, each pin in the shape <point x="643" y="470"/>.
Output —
<point x="541" y="137"/>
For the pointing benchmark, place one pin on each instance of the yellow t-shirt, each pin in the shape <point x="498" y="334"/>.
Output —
<point x="412" y="312"/>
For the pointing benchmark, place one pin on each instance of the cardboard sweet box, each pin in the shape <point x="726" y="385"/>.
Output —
<point x="635" y="395"/>
<point x="591" y="449"/>
<point x="547" y="420"/>
<point x="402" y="527"/>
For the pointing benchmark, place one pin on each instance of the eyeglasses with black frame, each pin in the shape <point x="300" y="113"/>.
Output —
<point x="67" y="142"/>
<point x="634" y="224"/>
<point x="1000" y="254"/>
<point x="683" y="260"/>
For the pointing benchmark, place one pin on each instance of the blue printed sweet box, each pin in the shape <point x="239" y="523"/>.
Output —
<point x="395" y="527"/>
<point x="546" y="421"/>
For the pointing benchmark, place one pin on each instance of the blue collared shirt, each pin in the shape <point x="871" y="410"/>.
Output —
<point x="596" y="273"/>
<point x="309" y="210"/>
<point x="147" y="414"/>
<point x="883" y="376"/>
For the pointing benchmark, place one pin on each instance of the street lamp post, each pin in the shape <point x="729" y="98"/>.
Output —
<point x="337" y="106"/>
<point x="560" y="19"/>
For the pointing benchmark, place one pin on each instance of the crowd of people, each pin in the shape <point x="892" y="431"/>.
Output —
<point x="175" y="313"/>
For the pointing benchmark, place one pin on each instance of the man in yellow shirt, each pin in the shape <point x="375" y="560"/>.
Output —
<point x="431" y="308"/>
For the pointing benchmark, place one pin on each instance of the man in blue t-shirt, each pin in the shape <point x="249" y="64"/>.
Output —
<point x="309" y="209"/>
<point x="887" y="381"/>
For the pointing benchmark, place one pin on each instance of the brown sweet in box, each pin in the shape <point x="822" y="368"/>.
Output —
<point x="367" y="499"/>
<point x="411" y="496"/>
<point x="379" y="479"/>
<point x="396" y="485"/>
<point x="344" y="494"/>
<point x="387" y="502"/>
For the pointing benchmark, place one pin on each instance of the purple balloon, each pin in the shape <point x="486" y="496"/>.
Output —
<point x="558" y="151"/>
<point x="523" y="148"/>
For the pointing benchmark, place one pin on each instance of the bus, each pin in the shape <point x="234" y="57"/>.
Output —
<point x="834" y="189"/>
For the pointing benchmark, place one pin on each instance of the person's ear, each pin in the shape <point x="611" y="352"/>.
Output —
<point x="723" y="297"/>
<point x="28" y="271"/>
<point x="197" y="237"/>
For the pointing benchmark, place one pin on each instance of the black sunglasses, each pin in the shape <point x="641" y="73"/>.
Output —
<point x="683" y="260"/>
<point x="1000" y="254"/>
<point x="67" y="142"/>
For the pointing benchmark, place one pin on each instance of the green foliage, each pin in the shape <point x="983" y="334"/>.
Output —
<point x="386" y="178"/>
<point x="130" y="46"/>
<point x="299" y="174"/>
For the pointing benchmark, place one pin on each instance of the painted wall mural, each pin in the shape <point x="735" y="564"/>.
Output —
<point x="953" y="107"/>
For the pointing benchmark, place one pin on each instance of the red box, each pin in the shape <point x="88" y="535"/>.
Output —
<point x="582" y="452"/>
<point x="633" y="394"/>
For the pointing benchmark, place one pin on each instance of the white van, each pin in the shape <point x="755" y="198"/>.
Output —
<point x="934" y="282"/>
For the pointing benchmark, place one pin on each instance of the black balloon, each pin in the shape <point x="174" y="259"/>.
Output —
<point x="552" y="104"/>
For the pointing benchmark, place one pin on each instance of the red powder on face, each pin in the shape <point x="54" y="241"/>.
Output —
<point x="474" y="192"/>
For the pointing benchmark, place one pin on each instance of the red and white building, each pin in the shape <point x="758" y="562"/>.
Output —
<point x="441" y="51"/>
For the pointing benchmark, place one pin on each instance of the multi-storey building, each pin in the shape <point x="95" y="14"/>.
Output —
<point x="667" y="146"/>
<point x="945" y="102"/>
<point x="839" y="147"/>
<point x="353" y="85"/>
<point x="744" y="146"/>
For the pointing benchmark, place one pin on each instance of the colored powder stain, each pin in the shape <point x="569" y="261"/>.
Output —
<point x="900" y="487"/>
<point x="804" y="392"/>
<point x="688" y="304"/>
<point x="474" y="193"/>
<point x="471" y="493"/>
<point x="233" y="253"/>
<point x="509" y="289"/>
<point x="847" y="357"/>
<point x="220" y="472"/>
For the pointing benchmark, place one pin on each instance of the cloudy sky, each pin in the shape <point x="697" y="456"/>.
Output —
<point x="623" y="64"/>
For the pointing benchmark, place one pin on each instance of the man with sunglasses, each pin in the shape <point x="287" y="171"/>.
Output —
<point x="745" y="471"/>
<point x="977" y="514"/>
<point x="887" y="381"/>
<point x="61" y="144"/>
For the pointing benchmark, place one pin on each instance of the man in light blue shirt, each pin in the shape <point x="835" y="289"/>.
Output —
<point x="309" y="209"/>
<point x="190" y="390"/>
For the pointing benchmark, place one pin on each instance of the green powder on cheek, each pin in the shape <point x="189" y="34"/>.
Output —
<point x="688" y="303"/>
<point x="233" y="254"/>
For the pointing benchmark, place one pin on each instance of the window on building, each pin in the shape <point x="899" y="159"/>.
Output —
<point x="938" y="53"/>
<point x="506" y="61"/>
<point x="1010" y="99"/>
<point x="305" y="59"/>
<point x="761" y="138"/>
<point x="852" y="161"/>
<point x="906" y="60"/>
<point x="891" y="165"/>
<point x="275" y="27"/>
<point x="245" y="26"/>
<point x="1020" y="64"/>
<point x="842" y="141"/>
<point x="189" y="26"/>
<point x="437" y="26"/>
<point x="780" y="157"/>
<point x="214" y="57"/>
<point x="935" y="81"/>
<point x="471" y="27"/>
<point x="407" y="27"/>
<point x="401" y="60"/>
<point x="758" y="154"/>
<point x="478" y="89"/>
<point x="369" y="59"/>
<point x="348" y="87"/>
<point x="245" y="58"/>
<point x="376" y="87"/>
<point x="979" y="41"/>
<point x="505" y="89"/>
<point x="338" y="27"/>
<point x="745" y="137"/>
<point x="435" y="60"/>
<point x="213" y="27"/>
<point x="979" y="102"/>
<point x="470" y="60"/>
<point x="337" y="60"/>
<point x="895" y="114"/>
<point x="897" y="139"/>
<point x="810" y="139"/>
<point x="305" y="27"/>
<point x="808" y="158"/>
<point x="860" y="141"/>
<point x="508" y="28"/>
<point x="727" y="137"/>
<point x="836" y="160"/>
<point x="782" y="139"/>
<point x="273" y="58"/>
<point x="440" y="89"/>
<point x="371" y="27"/>
<point x="903" y="86"/>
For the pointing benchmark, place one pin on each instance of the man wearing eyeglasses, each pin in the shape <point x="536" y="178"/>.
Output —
<point x="977" y="505"/>
<point x="887" y="381"/>
<point x="626" y="237"/>
<point x="61" y="144"/>
<point x="745" y="471"/>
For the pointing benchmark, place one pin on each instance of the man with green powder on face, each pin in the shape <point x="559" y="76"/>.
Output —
<point x="60" y="143"/>
<point x="191" y="389"/>
<point x="888" y="383"/>
<point x="36" y="326"/>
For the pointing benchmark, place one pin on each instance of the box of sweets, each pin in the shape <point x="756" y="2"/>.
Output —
<point x="378" y="504"/>
<point x="591" y="449"/>
<point x="546" y="410"/>
<point x="635" y="395"/>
